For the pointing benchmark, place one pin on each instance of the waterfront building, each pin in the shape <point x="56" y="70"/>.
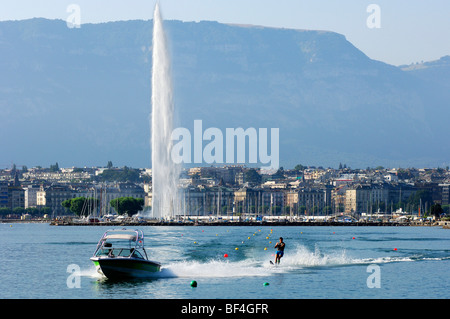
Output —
<point x="307" y="201"/>
<point x="31" y="195"/>
<point x="3" y="194"/>
<point x="362" y="198"/>
<point x="106" y="193"/>
<point x="40" y="197"/>
<point x="273" y="202"/>
<point x="400" y="192"/>
<point x="53" y="196"/>
<point x="16" y="194"/>
<point x="207" y="201"/>
<point x="228" y="174"/>
<point x="338" y="199"/>
<point x="251" y="201"/>
<point x="445" y="193"/>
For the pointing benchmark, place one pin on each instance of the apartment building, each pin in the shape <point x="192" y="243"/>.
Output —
<point x="3" y="194"/>
<point x="31" y="195"/>
<point x="307" y="201"/>
<point x="360" y="198"/>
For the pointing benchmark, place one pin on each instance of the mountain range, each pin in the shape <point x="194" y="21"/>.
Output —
<point x="82" y="96"/>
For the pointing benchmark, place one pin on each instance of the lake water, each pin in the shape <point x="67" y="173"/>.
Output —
<point x="320" y="263"/>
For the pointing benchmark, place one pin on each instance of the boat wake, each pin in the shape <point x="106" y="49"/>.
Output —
<point x="213" y="268"/>
<point x="298" y="258"/>
<point x="90" y="272"/>
<point x="302" y="257"/>
<point x="216" y="268"/>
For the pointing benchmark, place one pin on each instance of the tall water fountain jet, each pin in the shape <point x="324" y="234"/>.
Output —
<point x="165" y="173"/>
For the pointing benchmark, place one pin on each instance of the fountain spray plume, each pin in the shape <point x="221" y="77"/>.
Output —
<point x="165" y="173"/>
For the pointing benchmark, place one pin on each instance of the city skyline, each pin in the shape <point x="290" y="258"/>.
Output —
<point x="228" y="191"/>
<point x="111" y="165"/>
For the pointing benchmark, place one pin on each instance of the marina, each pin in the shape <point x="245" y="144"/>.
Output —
<point x="338" y="220"/>
<point x="225" y="223"/>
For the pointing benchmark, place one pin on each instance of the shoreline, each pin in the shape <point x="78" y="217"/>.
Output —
<point x="246" y="223"/>
<point x="442" y="224"/>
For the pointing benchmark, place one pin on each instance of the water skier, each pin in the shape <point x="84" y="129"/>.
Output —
<point x="280" y="250"/>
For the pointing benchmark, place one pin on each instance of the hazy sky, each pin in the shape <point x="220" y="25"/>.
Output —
<point x="404" y="32"/>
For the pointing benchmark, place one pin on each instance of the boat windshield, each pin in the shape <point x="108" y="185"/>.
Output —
<point x="119" y="252"/>
<point x="123" y="243"/>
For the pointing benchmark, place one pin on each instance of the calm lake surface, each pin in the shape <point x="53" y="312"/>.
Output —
<point x="320" y="262"/>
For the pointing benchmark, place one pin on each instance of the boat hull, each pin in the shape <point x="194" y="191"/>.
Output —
<point x="116" y="268"/>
